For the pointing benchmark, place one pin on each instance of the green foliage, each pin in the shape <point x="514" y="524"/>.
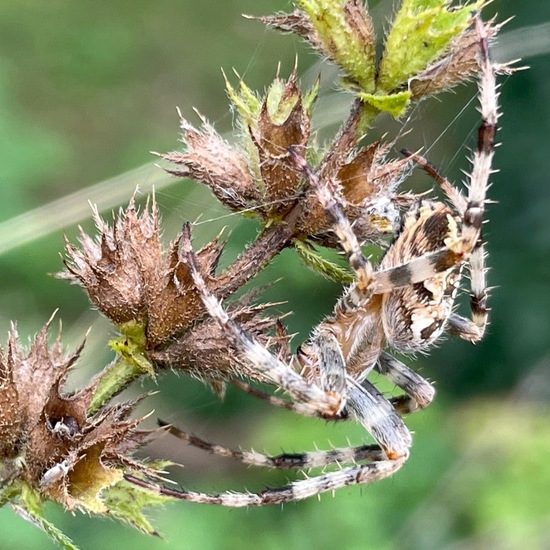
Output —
<point x="245" y="101"/>
<point x="394" y="104"/>
<point x="31" y="510"/>
<point x="127" y="502"/>
<point x="321" y="265"/>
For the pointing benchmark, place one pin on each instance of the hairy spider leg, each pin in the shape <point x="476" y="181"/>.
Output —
<point x="404" y="404"/>
<point x="471" y="208"/>
<point x="305" y="460"/>
<point x="419" y="393"/>
<point x="265" y="364"/>
<point x="297" y="490"/>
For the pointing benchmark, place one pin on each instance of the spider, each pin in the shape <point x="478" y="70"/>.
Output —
<point x="405" y="304"/>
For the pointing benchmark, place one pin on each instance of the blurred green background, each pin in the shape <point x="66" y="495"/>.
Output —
<point x="87" y="89"/>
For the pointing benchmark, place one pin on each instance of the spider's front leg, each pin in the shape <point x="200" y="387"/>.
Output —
<point x="328" y="196"/>
<point x="472" y="207"/>
<point x="263" y="365"/>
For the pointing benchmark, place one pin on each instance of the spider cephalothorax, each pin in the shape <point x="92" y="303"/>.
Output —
<point x="404" y="304"/>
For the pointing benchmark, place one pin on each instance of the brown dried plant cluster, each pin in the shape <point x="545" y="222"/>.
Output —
<point x="77" y="448"/>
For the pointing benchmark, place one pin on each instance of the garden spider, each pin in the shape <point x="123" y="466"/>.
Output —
<point x="405" y="304"/>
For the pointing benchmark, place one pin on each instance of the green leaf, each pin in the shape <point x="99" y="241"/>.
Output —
<point x="248" y="106"/>
<point x="321" y="265"/>
<point x="246" y="102"/>
<point x="30" y="510"/>
<point x="51" y="530"/>
<point x="126" y="501"/>
<point x="395" y="104"/>
<point x="133" y="353"/>
<point x="280" y="104"/>
<point x="111" y="381"/>
<point x="310" y="97"/>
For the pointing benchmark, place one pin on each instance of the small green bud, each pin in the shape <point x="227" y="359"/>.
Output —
<point x="345" y="33"/>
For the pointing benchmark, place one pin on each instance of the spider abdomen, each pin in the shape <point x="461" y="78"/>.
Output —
<point x="414" y="316"/>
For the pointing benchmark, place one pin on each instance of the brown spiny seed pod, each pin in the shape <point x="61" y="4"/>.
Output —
<point x="272" y="185"/>
<point x="260" y="177"/>
<point x="283" y="122"/>
<point x="205" y="353"/>
<point x="168" y="327"/>
<point x="211" y="160"/>
<point x="129" y="278"/>
<point x="47" y="439"/>
<point x="116" y="269"/>
<point x="173" y="302"/>
<point x="367" y="185"/>
<point x="457" y="65"/>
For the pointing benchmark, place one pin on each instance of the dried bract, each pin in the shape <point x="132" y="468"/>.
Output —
<point x="259" y="176"/>
<point x="150" y="296"/>
<point x="211" y="160"/>
<point x="205" y="353"/>
<point x="458" y="64"/>
<point x="49" y="444"/>
<point x="130" y="278"/>
<point x="367" y="184"/>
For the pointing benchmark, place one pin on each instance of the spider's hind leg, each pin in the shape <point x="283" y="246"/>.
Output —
<point x="305" y="460"/>
<point x="296" y="490"/>
<point x="478" y="184"/>
<point x="469" y="329"/>
<point x="419" y="393"/>
<point x="471" y="208"/>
